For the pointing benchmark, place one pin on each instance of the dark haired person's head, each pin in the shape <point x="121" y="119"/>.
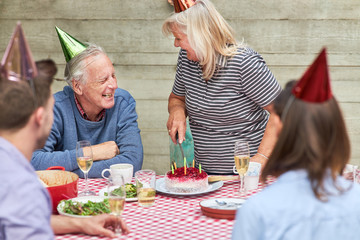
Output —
<point x="18" y="100"/>
<point x="313" y="137"/>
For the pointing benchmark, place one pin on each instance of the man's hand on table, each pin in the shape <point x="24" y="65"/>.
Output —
<point x="102" y="225"/>
<point x="105" y="150"/>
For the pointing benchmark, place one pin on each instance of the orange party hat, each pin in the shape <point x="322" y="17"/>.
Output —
<point x="182" y="5"/>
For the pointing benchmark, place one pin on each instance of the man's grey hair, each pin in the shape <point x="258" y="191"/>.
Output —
<point x="75" y="69"/>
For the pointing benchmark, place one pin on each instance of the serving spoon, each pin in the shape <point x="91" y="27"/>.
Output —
<point x="230" y="204"/>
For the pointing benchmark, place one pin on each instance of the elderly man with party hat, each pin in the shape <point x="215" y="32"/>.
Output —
<point x="91" y="108"/>
<point x="310" y="199"/>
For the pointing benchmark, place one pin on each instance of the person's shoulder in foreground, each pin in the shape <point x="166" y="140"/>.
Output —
<point x="24" y="203"/>
<point x="288" y="209"/>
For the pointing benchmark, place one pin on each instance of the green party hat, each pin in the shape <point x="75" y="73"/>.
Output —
<point x="70" y="45"/>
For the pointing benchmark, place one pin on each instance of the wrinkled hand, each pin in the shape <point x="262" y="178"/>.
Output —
<point x="105" y="150"/>
<point x="177" y="124"/>
<point x="99" y="225"/>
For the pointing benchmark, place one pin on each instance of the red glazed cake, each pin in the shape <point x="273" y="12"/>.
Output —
<point x="193" y="181"/>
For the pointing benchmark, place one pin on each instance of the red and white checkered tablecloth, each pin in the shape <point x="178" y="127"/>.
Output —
<point x="172" y="217"/>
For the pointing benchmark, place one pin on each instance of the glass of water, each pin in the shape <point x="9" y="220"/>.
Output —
<point x="145" y="184"/>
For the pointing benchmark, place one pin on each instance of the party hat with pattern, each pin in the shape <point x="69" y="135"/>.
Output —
<point x="18" y="63"/>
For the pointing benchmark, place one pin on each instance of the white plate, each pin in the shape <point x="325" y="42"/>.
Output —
<point x="221" y="204"/>
<point x="104" y="190"/>
<point x="79" y="199"/>
<point x="160" y="187"/>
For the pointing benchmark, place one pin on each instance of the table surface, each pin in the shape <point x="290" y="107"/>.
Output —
<point x="172" y="217"/>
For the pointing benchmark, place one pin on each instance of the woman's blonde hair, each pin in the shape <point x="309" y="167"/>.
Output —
<point x="208" y="33"/>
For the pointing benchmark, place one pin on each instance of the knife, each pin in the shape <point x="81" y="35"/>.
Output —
<point x="181" y="149"/>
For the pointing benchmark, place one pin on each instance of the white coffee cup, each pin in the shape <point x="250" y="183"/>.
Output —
<point x="121" y="169"/>
<point x="252" y="176"/>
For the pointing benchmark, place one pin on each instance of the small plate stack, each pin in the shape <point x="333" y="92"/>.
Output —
<point x="224" y="208"/>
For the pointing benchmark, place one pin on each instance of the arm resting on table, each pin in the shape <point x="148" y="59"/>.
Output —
<point x="97" y="225"/>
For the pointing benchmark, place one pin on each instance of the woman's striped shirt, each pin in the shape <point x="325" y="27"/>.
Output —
<point x="226" y="108"/>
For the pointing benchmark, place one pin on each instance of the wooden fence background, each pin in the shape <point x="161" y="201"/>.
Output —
<point x="288" y="34"/>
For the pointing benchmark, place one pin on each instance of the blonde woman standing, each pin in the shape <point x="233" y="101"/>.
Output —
<point x="223" y="86"/>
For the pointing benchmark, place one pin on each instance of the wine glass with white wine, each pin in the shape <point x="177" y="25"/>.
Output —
<point x="116" y="196"/>
<point x="84" y="158"/>
<point x="242" y="159"/>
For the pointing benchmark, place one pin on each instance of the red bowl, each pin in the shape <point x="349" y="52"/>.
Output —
<point x="61" y="185"/>
<point x="229" y="216"/>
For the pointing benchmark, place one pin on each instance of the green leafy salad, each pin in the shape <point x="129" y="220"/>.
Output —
<point x="86" y="209"/>
<point x="129" y="188"/>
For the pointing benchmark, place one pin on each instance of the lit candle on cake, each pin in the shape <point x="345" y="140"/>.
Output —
<point x="184" y="165"/>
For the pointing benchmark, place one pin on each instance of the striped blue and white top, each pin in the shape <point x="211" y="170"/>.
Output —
<point x="226" y="108"/>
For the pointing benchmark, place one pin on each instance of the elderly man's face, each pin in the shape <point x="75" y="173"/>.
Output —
<point x="98" y="92"/>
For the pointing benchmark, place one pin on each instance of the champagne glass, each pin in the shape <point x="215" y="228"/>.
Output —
<point x="242" y="159"/>
<point x="116" y="195"/>
<point x="84" y="160"/>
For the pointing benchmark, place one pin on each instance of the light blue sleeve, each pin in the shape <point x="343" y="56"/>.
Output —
<point x="25" y="211"/>
<point x="248" y="224"/>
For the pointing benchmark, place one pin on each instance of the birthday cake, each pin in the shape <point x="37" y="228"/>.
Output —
<point x="191" y="182"/>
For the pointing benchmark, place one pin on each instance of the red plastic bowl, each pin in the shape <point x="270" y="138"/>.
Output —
<point x="211" y="208"/>
<point x="61" y="185"/>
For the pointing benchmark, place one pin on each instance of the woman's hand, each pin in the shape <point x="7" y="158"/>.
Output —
<point x="177" y="117"/>
<point x="259" y="159"/>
